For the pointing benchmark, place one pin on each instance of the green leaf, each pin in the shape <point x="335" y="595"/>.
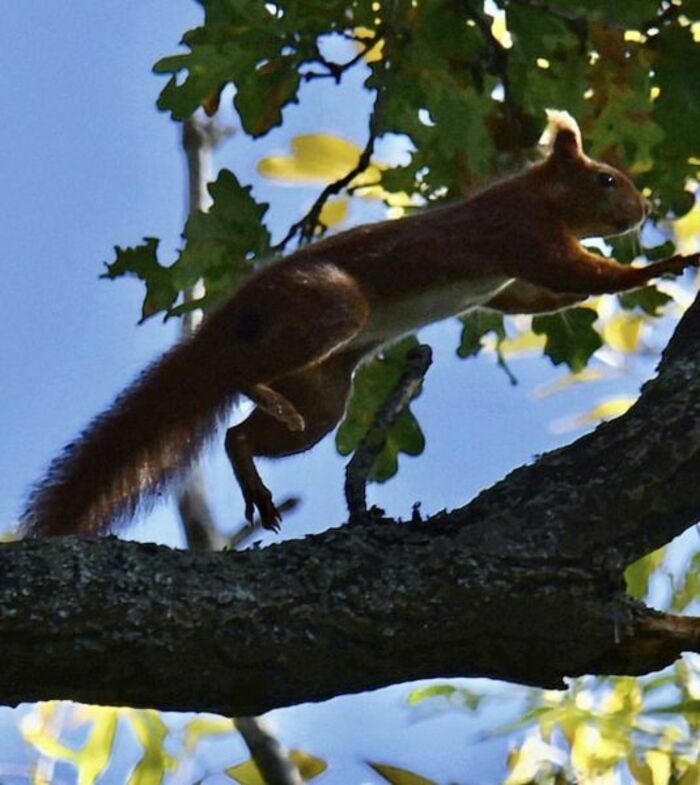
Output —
<point x="432" y="691"/>
<point x="142" y="262"/>
<point x="454" y="696"/>
<point x="223" y="243"/>
<point x="538" y="34"/>
<point x="263" y="92"/>
<point x="637" y="575"/>
<point x="254" y="47"/>
<point x="660" y="251"/>
<point x="625" y="247"/>
<point x="478" y="323"/>
<point x="648" y="299"/>
<point x="571" y="338"/>
<point x="689" y="589"/>
<point x="222" y="247"/>
<point x="372" y="384"/>
<point x="677" y="112"/>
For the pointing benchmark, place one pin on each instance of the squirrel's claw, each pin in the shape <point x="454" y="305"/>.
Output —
<point x="258" y="497"/>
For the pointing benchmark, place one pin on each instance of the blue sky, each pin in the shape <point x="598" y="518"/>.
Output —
<point x="87" y="162"/>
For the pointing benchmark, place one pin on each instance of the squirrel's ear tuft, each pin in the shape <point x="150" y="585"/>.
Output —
<point x="562" y="137"/>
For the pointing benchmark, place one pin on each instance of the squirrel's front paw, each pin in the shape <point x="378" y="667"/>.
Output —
<point x="679" y="262"/>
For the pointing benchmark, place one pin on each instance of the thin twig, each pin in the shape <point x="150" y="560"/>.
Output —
<point x="308" y="225"/>
<point x="418" y="361"/>
<point x="333" y="70"/>
<point x="246" y="530"/>
<point x="271" y="758"/>
<point x="201" y="533"/>
<point x="199" y="138"/>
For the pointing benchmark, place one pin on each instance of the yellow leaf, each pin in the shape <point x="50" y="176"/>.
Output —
<point x="96" y="754"/>
<point x="523" y="343"/>
<point x="45" y="743"/>
<point x="395" y="199"/>
<point x="622" y="332"/>
<point x="326" y="158"/>
<point x="533" y="758"/>
<point x="148" y="726"/>
<point x="150" y="730"/>
<point x="200" y="727"/>
<point x="660" y="765"/>
<point x="396" y="776"/>
<point x="245" y="774"/>
<point x="248" y="774"/>
<point x="607" y="410"/>
<point x="309" y="766"/>
<point x="374" y="53"/>
<point x="40" y="729"/>
<point x="625" y="697"/>
<point x="687" y="231"/>
<point x="691" y="776"/>
<point x="593" y="754"/>
<point x="640" y="771"/>
<point x="571" y="379"/>
<point x="334" y="212"/>
<point x="93" y="757"/>
<point x="314" y="157"/>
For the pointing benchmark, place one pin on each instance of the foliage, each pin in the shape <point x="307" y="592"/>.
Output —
<point x="373" y="383"/>
<point x="46" y="727"/>
<point x="604" y="730"/>
<point x="221" y="245"/>
<point x="464" y="89"/>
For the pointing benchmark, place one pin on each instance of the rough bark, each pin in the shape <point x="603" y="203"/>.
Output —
<point x="524" y="584"/>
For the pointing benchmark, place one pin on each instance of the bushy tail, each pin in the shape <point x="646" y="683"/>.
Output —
<point x="127" y="454"/>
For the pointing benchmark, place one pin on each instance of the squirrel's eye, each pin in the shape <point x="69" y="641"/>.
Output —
<point x="606" y="180"/>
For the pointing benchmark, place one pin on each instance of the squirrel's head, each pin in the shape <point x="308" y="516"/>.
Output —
<point x="592" y="198"/>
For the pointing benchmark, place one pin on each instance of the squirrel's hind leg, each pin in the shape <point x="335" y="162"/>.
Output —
<point x="319" y="394"/>
<point x="276" y="405"/>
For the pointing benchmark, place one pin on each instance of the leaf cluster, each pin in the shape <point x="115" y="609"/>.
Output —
<point x="466" y="91"/>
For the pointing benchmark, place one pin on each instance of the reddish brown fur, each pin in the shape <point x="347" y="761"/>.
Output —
<point x="129" y="452"/>
<point x="299" y="328"/>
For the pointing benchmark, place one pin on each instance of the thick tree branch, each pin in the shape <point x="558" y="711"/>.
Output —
<point x="524" y="583"/>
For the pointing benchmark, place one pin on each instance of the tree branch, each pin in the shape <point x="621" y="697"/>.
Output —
<point x="309" y="223"/>
<point x="524" y="583"/>
<point x="201" y="532"/>
<point x="418" y="361"/>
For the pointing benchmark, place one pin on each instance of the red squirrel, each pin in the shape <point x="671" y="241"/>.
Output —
<point x="290" y="337"/>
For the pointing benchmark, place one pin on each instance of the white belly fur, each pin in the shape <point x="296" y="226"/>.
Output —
<point x="390" y="322"/>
